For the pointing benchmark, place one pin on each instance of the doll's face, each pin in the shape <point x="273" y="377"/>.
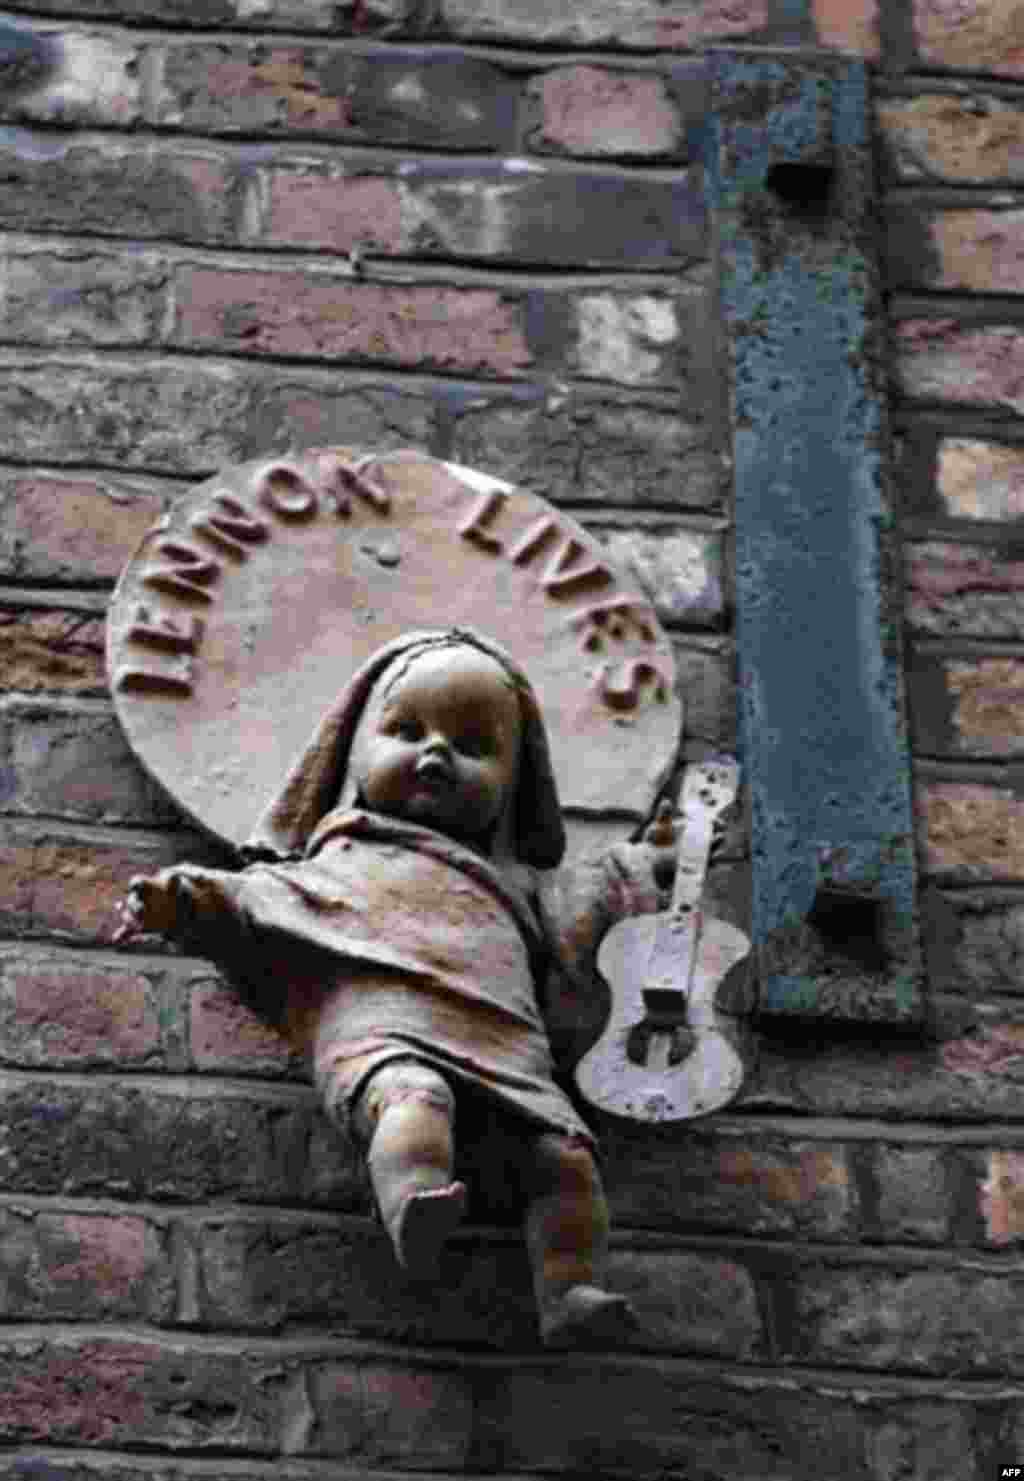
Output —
<point x="441" y="746"/>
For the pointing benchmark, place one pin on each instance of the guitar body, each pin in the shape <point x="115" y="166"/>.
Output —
<point x="705" y="1078"/>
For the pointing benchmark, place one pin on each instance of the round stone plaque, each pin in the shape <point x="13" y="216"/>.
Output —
<point x="245" y="611"/>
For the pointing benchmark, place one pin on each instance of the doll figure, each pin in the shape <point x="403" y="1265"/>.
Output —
<point x="409" y="866"/>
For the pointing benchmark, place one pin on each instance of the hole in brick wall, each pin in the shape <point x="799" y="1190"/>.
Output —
<point x="850" y="925"/>
<point x="805" y="190"/>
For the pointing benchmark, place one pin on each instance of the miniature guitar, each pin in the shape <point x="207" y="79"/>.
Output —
<point x="666" y="1053"/>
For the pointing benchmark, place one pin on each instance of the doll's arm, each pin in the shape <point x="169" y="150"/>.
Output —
<point x="582" y="902"/>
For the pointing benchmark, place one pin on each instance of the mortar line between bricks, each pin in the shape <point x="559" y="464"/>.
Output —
<point x="375" y="270"/>
<point x="734" y="1374"/>
<point x="211" y="1085"/>
<point x="725" y="1244"/>
<point x="972" y="312"/>
<point x="316" y="149"/>
<point x="74" y="599"/>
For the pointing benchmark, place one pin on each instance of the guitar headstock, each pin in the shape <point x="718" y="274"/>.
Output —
<point x="712" y="786"/>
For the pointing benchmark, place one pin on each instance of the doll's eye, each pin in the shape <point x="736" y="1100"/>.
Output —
<point x="407" y="730"/>
<point x="474" y="744"/>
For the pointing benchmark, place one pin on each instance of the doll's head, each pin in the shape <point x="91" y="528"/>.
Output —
<point x="439" y="743"/>
<point x="440" y="728"/>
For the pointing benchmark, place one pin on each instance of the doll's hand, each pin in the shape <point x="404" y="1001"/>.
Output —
<point x="151" y="904"/>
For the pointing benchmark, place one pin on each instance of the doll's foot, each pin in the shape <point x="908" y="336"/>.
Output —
<point x="585" y="1315"/>
<point x="424" y="1222"/>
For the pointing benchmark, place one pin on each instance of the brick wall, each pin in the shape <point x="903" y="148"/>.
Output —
<point x="478" y="228"/>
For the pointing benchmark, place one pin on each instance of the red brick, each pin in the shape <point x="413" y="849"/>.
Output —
<point x="970" y="832"/>
<point x="52" y="650"/>
<point x="849" y="26"/>
<point x="289" y="313"/>
<point x="84" y="1266"/>
<point x="225" y="1035"/>
<point x="975" y="139"/>
<point x="975" y="252"/>
<point x="765" y="1186"/>
<point x="73" y="528"/>
<point x="976" y="479"/>
<point x="977" y="35"/>
<point x="55" y="1012"/>
<point x="944" y="360"/>
<point x="964" y="590"/>
<point x="330" y="208"/>
<point x="60" y="884"/>
<point x="595" y="113"/>
<point x="118" y="1392"/>
<point x="1001" y="1195"/>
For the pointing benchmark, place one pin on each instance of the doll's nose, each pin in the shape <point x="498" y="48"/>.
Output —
<point x="436" y="750"/>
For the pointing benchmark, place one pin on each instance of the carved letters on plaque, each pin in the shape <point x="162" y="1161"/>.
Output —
<point x="229" y="527"/>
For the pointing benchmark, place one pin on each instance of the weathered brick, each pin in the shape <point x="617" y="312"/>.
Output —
<point x="82" y="1266"/>
<point x="972" y="138"/>
<point x="973" y="251"/>
<point x="57" y="1011"/>
<point x="396" y="96"/>
<point x="74" y="762"/>
<point x="93" y="183"/>
<point x="96" y="79"/>
<point x="379" y="1413"/>
<point x="628" y="23"/>
<point x="924" y="1320"/>
<point x="598" y="113"/>
<point x="925" y="1441"/>
<point x="682" y="571"/>
<point x="970" y="832"/>
<point x="521" y="212"/>
<point x="58" y="883"/>
<point x="964" y="590"/>
<point x="58" y="527"/>
<point x="981" y="946"/>
<point x="979" y="35"/>
<point x="1001" y="1196"/>
<point x="179" y="1142"/>
<point x="194" y="416"/>
<point x="226" y="1035"/>
<point x="849" y="26"/>
<point x="976" y="479"/>
<point x="706" y="676"/>
<point x="260" y="1274"/>
<point x="760" y="1184"/>
<point x="915" y="1199"/>
<point x="943" y="359"/>
<point x="582" y="449"/>
<point x="125" y="1392"/>
<point x="68" y="296"/>
<point x="967" y="707"/>
<point x="626" y="337"/>
<point x="329" y="316"/>
<point x="50" y="649"/>
<point x="667" y="1419"/>
<point x="970" y="1079"/>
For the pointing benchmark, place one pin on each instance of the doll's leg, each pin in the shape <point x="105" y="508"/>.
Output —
<point x="406" y="1114"/>
<point x="567" y="1241"/>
